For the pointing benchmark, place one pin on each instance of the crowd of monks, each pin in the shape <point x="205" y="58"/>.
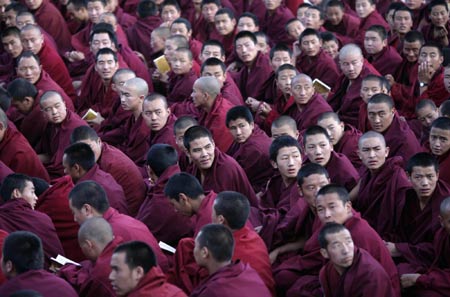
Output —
<point x="225" y="148"/>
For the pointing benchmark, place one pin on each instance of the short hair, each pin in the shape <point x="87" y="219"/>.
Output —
<point x="445" y="108"/>
<point x="179" y="40"/>
<point x="27" y="54"/>
<point x="209" y="85"/>
<point x="78" y="4"/>
<point x="213" y="62"/>
<point x="321" y="12"/>
<point x="308" y="32"/>
<point x="290" y="21"/>
<point x="339" y="190"/>
<point x="433" y="45"/>
<point x="185" y="50"/>
<point x="335" y="3"/>
<point x="171" y="3"/>
<point x="184" y="22"/>
<point x="329" y="115"/>
<point x="279" y="47"/>
<point x="183" y="183"/>
<point x="5" y="99"/>
<point x="219" y="241"/>
<point x="101" y="1"/>
<point x="371" y="134"/>
<point x="281" y="142"/>
<point x="10" y="31"/>
<point x="81" y="154"/>
<point x="226" y="11"/>
<point x="437" y="3"/>
<point x="286" y="67"/>
<point x="441" y="123"/>
<point x="213" y="42"/>
<point x="250" y="15"/>
<point x="97" y="229"/>
<point x="216" y="2"/>
<point x="401" y="7"/>
<point x="425" y="103"/>
<point x="285" y="120"/>
<point x="244" y="34"/>
<point x="160" y="157"/>
<point x="413" y="36"/>
<point x="234" y="207"/>
<point x="3" y="119"/>
<point x="21" y="88"/>
<point x="137" y="254"/>
<point x="194" y="133"/>
<point x="104" y="28"/>
<point x="315" y="130"/>
<point x="262" y="35"/>
<point x="91" y="193"/>
<point x="16" y="6"/>
<point x="120" y="72"/>
<point x="239" y="112"/>
<point x="40" y="185"/>
<point x="11" y="182"/>
<point x="183" y="122"/>
<point x="49" y="94"/>
<point x="380" y="30"/>
<point x="106" y="51"/>
<point x="156" y="96"/>
<point x="422" y="160"/>
<point x="329" y="36"/>
<point x="24" y="250"/>
<point x="147" y="8"/>
<point x="310" y="169"/>
<point x="83" y="133"/>
<point x="382" y="98"/>
<point x="384" y="83"/>
<point x="329" y="228"/>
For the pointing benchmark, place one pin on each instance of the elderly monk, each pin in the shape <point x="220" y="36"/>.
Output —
<point x="440" y="145"/>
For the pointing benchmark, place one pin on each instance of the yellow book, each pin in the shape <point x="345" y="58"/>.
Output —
<point x="89" y="115"/>
<point x="320" y="86"/>
<point x="162" y="64"/>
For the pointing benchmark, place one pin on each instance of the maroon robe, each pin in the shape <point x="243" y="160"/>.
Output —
<point x="387" y="61"/>
<point x="339" y="163"/>
<point x="253" y="156"/>
<point x="274" y="24"/>
<point x="228" y="44"/>
<point x="277" y="193"/>
<point x="4" y="171"/>
<point x="231" y="92"/>
<point x="365" y="277"/>
<point x="114" y="191"/>
<point x="139" y="35"/>
<point x="348" y="145"/>
<point x="321" y="66"/>
<point x="346" y="30"/>
<point x="17" y="154"/>
<point x="3" y="235"/>
<point x="125" y="19"/>
<point x="180" y="86"/>
<point x="165" y="135"/>
<point x="225" y="174"/>
<point x="374" y="18"/>
<point x="430" y="36"/>
<point x="436" y="90"/>
<point x="126" y="174"/>
<point x="46" y="83"/>
<point x="204" y="214"/>
<point x="159" y="215"/>
<point x="110" y="130"/>
<point x="444" y="167"/>
<point x="46" y="283"/>
<point x="402" y="91"/>
<point x="55" y="140"/>
<point x="154" y="283"/>
<point x="17" y="215"/>
<point x="381" y="195"/>
<point x="136" y="64"/>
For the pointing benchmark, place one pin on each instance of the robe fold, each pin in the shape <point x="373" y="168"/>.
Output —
<point x="3" y="235"/>
<point x="110" y="129"/>
<point x="346" y="30"/>
<point x="204" y="213"/>
<point x="180" y="86"/>
<point x="139" y="35"/>
<point x="436" y="90"/>
<point x="321" y="66"/>
<point x="348" y="145"/>
<point x="231" y="92"/>
<point x="402" y="91"/>
<point x="439" y="35"/>
<point x="274" y="25"/>
<point x="4" y="171"/>
<point x="165" y="135"/>
<point x="374" y="18"/>
<point x="387" y="61"/>
<point x="46" y="83"/>
<point x="444" y="167"/>
<point x="154" y="284"/>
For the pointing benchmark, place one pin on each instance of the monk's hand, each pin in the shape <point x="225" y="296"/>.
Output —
<point x="409" y="279"/>
<point x="390" y="79"/>
<point x="392" y="249"/>
<point x="274" y="255"/>
<point x="264" y="109"/>
<point x="252" y="103"/>
<point x="426" y="72"/>
<point x="75" y="56"/>
<point x="296" y="49"/>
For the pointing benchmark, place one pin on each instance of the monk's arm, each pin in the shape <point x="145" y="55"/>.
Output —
<point x="288" y="247"/>
<point x="354" y="192"/>
<point x="44" y="158"/>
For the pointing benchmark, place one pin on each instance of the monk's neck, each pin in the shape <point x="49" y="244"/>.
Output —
<point x="301" y="107"/>
<point x="197" y="203"/>
<point x="288" y="181"/>
<point x="106" y="82"/>
<point x="137" y="113"/>
<point x="423" y="201"/>
<point x="213" y="267"/>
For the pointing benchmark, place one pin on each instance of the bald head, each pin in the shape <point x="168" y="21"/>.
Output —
<point x="138" y="85"/>
<point x="209" y="85"/>
<point x="284" y="125"/>
<point x="50" y="95"/>
<point x="350" y="49"/>
<point x="371" y="134"/>
<point x="96" y="229"/>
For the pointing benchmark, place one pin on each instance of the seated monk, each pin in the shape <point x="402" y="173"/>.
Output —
<point x="214" y="247"/>
<point x="440" y="145"/>
<point x="284" y="125"/>
<point x="402" y="24"/>
<point x="23" y="262"/>
<point x="250" y="147"/>
<point x="125" y="19"/>
<point x="319" y="150"/>
<point x="3" y="235"/>
<point x="61" y="123"/>
<point x="343" y="24"/>
<point x="367" y="11"/>
<point x="156" y="212"/>
<point x="225" y="32"/>
<point x="79" y="163"/>
<point x="344" y="137"/>
<point x="426" y="112"/>
<point x="113" y="161"/>
<point x="179" y="128"/>
<point x="16" y="152"/>
<point x="382" y="186"/>
<point x="186" y="195"/>
<point x="12" y="47"/>
<point x="17" y="213"/>
<point x="139" y="259"/>
<point x="214" y="169"/>
<point x="438" y="30"/>
<point x="25" y="18"/>
<point x="351" y="271"/>
<point x="181" y="26"/>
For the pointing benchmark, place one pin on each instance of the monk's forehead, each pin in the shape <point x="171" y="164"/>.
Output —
<point x="301" y="79"/>
<point x="371" y="141"/>
<point x="28" y="61"/>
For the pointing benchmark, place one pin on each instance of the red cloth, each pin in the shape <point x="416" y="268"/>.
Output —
<point x="139" y="35"/>
<point x="365" y="277"/>
<point x="277" y="194"/>
<point x="274" y="24"/>
<point x="430" y="36"/>
<point x="55" y="140"/>
<point x="436" y="90"/>
<point x="402" y="91"/>
<point x="253" y="156"/>
<point x="374" y="18"/>
<point x="444" y="167"/>
<point x="346" y="30"/>
<point x="387" y="61"/>
<point x="136" y="144"/>
<point x="348" y="145"/>
<point x="339" y="163"/>
<point x="114" y="191"/>
<point x="46" y="83"/>
<point x="204" y="214"/>
<point x="165" y="135"/>
<point x="311" y="111"/>
<point x="110" y="129"/>
<point x="231" y="92"/>
<point x="54" y="202"/>
<point x="131" y="229"/>
<point x="136" y="64"/>
<point x="215" y="121"/>
<point x="321" y="66"/>
<point x="4" y="171"/>
<point x="125" y="19"/>
<point x="46" y="283"/>
<point x="180" y="86"/>
<point x="154" y="284"/>
<point x="225" y="174"/>
<point x="126" y="174"/>
<point x="159" y="215"/>
<point x="17" y="215"/>
<point x="381" y="195"/>
<point x="17" y="154"/>
<point x="3" y="235"/>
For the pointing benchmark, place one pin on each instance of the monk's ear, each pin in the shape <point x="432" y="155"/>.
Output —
<point x="274" y="164"/>
<point x="9" y="268"/>
<point x="324" y="253"/>
<point x="169" y="111"/>
<point x="387" y="151"/>
<point x="348" y="206"/>
<point x="204" y="252"/>
<point x="138" y="273"/>
<point x="183" y="198"/>
<point x="299" y="189"/>
<point x="221" y="220"/>
<point x="16" y="194"/>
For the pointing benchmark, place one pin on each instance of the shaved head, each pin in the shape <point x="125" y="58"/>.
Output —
<point x="350" y="49"/>
<point x="371" y="134"/>
<point x="208" y="84"/>
<point x="137" y="84"/>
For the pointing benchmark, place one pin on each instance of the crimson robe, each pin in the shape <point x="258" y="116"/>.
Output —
<point x="348" y="145"/>
<point x="253" y="156"/>
<point x="4" y="171"/>
<point x="231" y="92"/>
<point x="136" y="64"/>
<point x="403" y="90"/>
<point x="131" y="229"/>
<point x="365" y="277"/>
<point x="46" y="83"/>
<point x="3" y="235"/>
<point x="387" y="61"/>
<point x="321" y="66"/>
<point x="374" y="18"/>
<point x="46" y="283"/>
<point x="159" y="215"/>
<point x="165" y="135"/>
<point x="277" y="193"/>
<point x="17" y="154"/>
<point x="55" y="140"/>
<point x="274" y="24"/>
<point x="125" y="19"/>
<point x="444" y="167"/>
<point x="154" y="284"/>
<point x="114" y="191"/>
<point x="228" y="44"/>
<point x="436" y="90"/>
<point x="139" y="35"/>
<point x="225" y="174"/>
<point x="110" y="130"/>
<point x="17" y="215"/>
<point x="381" y="195"/>
<point x="346" y="30"/>
<point x="126" y="174"/>
<point x="204" y="214"/>
<point x="180" y="86"/>
<point x="430" y="36"/>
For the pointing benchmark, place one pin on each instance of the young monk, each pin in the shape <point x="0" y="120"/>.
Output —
<point x="179" y="128"/>
<point x="371" y="85"/>
<point x="426" y="112"/>
<point x="440" y="145"/>
<point x="342" y="24"/>
<point x="284" y="125"/>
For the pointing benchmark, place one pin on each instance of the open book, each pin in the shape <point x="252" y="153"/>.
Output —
<point x="320" y="86"/>
<point x="63" y="260"/>
<point x="89" y="115"/>
<point x="162" y="64"/>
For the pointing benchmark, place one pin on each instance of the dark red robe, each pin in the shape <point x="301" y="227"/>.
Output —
<point x="46" y="83"/>
<point x="180" y="87"/>
<point x="136" y="64"/>
<point x="204" y="214"/>
<point x="125" y="19"/>
<point x="274" y="25"/>
<point x="387" y="61"/>
<point x="321" y="66"/>
<point x="431" y="36"/>
<point x="139" y="35"/>
<point x="231" y="92"/>
<point x="3" y="235"/>
<point x="444" y="167"/>
<point x="154" y="283"/>
<point x="403" y="90"/>
<point x="110" y="130"/>
<point x="339" y="163"/>
<point x="4" y="171"/>
<point x="165" y="135"/>
<point x="374" y="18"/>
<point x="436" y="90"/>
<point x="348" y="145"/>
<point x="346" y="30"/>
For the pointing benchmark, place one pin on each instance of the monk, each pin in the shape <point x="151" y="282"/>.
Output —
<point x="343" y="136"/>
<point x="12" y="47"/>
<point x="403" y="23"/>
<point x="250" y="147"/>
<point x="378" y="170"/>
<point x="437" y="30"/>
<point x="284" y="125"/>
<point x="61" y="123"/>
<point x="341" y="23"/>
<point x="248" y="22"/>
<point x="88" y="199"/>
<point x="351" y="271"/>
<point x="212" y="49"/>
<point x="179" y="128"/>
<point x="182" y="26"/>
<point x="275" y="21"/>
<point x="170" y="11"/>
<point x="426" y="112"/>
<point x="330" y="45"/>
<point x="215" y="170"/>
<point x="23" y="259"/>
<point x="224" y="275"/>
<point x="440" y="148"/>
<point x="313" y="17"/>
<point x="150" y="280"/>
<point x="203" y="25"/>
<point x="225" y="32"/>
<point x="367" y="12"/>
<point x="113" y="161"/>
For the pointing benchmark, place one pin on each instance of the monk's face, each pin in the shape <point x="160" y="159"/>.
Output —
<point x="272" y="4"/>
<point x="240" y="129"/>
<point x="155" y="114"/>
<point x="80" y="15"/>
<point x="318" y="149"/>
<point x="169" y="49"/>
<point x="429" y="55"/>
<point x="364" y="8"/>
<point x="130" y="99"/>
<point x="79" y="215"/>
<point x="313" y="19"/>
<point x="209" y="11"/>
<point x="181" y="63"/>
<point x="33" y="4"/>
<point x="301" y="14"/>
<point x="123" y="279"/>
<point x="331" y="209"/>
<point x="156" y="42"/>
<point x="23" y="20"/>
<point x="331" y="47"/>
<point x="373" y="43"/>
<point x="106" y="66"/>
<point x="439" y="15"/>
<point x="302" y="89"/>
<point x="423" y="180"/>
<point x="283" y="131"/>
<point x="54" y="109"/>
<point x="211" y="51"/>
<point x="12" y="45"/>
<point x="294" y="29"/>
<point x="370" y="88"/>
<point x="402" y="22"/>
<point x="439" y="141"/>
<point x="199" y="97"/>
<point x="351" y="64"/>
<point x="426" y="115"/>
<point x="411" y="50"/>
<point x="284" y="80"/>
<point x="29" y="69"/>
<point x="224" y="24"/>
<point x="373" y="152"/>
<point x="179" y="135"/>
<point x="3" y="4"/>
<point x="99" y="41"/>
<point x="96" y="146"/>
<point x="447" y="78"/>
<point x="262" y="44"/>
<point x="95" y="10"/>
<point x="25" y="106"/>
<point x="414" y="4"/>
<point x="334" y="15"/>
<point x="334" y="128"/>
<point x="340" y="250"/>
<point x="32" y="40"/>
<point x="380" y="116"/>
<point x="180" y="29"/>
<point x="310" y="45"/>
<point x="289" y="162"/>
<point x="246" y="50"/>
<point x="169" y="13"/>
<point x="311" y="186"/>
<point x="183" y="206"/>
<point x="247" y="24"/>
<point x="217" y="72"/>
<point x="201" y="152"/>
<point x="444" y="219"/>
<point x="10" y="18"/>
<point x="28" y="194"/>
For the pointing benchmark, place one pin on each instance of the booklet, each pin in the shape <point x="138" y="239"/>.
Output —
<point x="89" y="115"/>
<point x="63" y="260"/>
<point x="162" y="64"/>
<point x="167" y="247"/>
<point x="320" y="86"/>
